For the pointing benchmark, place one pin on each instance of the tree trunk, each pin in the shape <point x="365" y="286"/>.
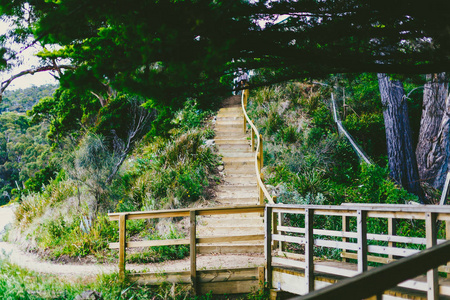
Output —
<point x="401" y="156"/>
<point x="433" y="146"/>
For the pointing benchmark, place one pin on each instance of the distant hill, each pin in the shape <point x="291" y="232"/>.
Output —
<point x="21" y="100"/>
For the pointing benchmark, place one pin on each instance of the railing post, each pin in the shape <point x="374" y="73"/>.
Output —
<point x="261" y="192"/>
<point x="309" y="249"/>
<point x="447" y="237"/>
<point x="193" y="249"/>
<point x="275" y="221"/>
<point x="392" y="230"/>
<point x="122" y="244"/>
<point x="361" y="221"/>
<point x="268" y="244"/>
<point x="261" y="155"/>
<point x="345" y="227"/>
<point x="432" y="275"/>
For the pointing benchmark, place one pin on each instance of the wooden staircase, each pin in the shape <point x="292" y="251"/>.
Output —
<point x="239" y="186"/>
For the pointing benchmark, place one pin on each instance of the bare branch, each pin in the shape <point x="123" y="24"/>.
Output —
<point x="53" y="67"/>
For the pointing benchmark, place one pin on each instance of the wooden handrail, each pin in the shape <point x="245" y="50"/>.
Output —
<point x="259" y="151"/>
<point x="388" y="276"/>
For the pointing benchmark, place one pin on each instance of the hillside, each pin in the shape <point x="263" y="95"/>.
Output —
<point x="22" y="100"/>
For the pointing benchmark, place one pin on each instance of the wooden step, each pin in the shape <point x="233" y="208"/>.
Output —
<point x="231" y="108"/>
<point x="239" y="180"/>
<point x="239" y="201"/>
<point x="229" y="154"/>
<point x="229" y="117"/>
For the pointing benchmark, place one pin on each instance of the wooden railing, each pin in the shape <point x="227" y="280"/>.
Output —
<point x="373" y="283"/>
<point x="192" y="240"/>
<point x="259" y="156"/>
<point x="350" y="236"/>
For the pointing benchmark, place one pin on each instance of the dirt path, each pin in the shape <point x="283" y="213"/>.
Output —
<point x="74" y="271"/>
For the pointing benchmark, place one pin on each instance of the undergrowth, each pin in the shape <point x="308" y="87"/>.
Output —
<point x="20" y="284"/>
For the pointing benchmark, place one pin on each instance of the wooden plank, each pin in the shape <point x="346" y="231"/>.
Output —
<point x="275" y="230"/>
<point x="415" y="215"/>
<point x="295" y="256"/>
<point x="290" y="229"/>
<point x="432" y="275"/>
<point x="229" y="287"/>
<point x="230" y="239"/>
<point x="288" y="238"/>
<point x="140" y="244"/>
<point x="447" y="236"/>
<point x="387" y="276"/>
<point x="289" y="210"/>
<point x="345" y="229"/>
<point x="231" y="210"/>
<point x="361" y="224"/>
<point x="288" y="262"/>
<point x="391" y="251"/>
<point x="309" y="249"/>
<point x="186" y="212"/>
<point x="392" y="230"/>
<point x="335" y="212"/>
<point x="261" y="277"/>
<point x="122" y="243"/>
<point x="371" y="258"/>
<point x="370" y="207"/>
<point x="370" y="236"/>
<point x="268" y="245"/>
<point x="193" y="249"/>
<point x="336" y="244"/>
<point x="280" y="222"/>
<point x="335" y="271"/>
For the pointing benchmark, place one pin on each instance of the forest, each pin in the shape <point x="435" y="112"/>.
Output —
<point x="129" y="126"/>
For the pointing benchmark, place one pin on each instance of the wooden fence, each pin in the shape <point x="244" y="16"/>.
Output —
<point x="350" y="236"/>
<point x="193" y="241"/>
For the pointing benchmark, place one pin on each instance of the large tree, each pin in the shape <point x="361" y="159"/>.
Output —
<point x="433" y="148"/>
<point x="402" y="159"/>
<point x="162" y="49"/>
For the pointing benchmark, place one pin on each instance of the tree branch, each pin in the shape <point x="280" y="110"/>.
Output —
<point x="53" y="67"/>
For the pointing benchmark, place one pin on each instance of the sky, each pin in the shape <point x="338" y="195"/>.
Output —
<point x="29" y="60"/>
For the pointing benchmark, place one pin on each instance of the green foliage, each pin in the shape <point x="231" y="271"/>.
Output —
<point x="174" y="174"/>
<point x="311" y="165"/>
<point x="22" y="100"/>
<point x="24" y="151"/>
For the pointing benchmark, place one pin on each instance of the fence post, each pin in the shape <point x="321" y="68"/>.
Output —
<point x="392" y="230"/>
<point x="193" y="249"/>
<point x="268" y="244"/>
<point x="345" y="227"/>
<point x="447" y="237"/>
<point x="361" y="221"/>
<point x="122" y="244"/>
<point x="261" y="155"/>
<point x="275" y="221"/>
<point x="261" y="193"/>
<point x="309" y="249"/>
<point x="432" y="275"/>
